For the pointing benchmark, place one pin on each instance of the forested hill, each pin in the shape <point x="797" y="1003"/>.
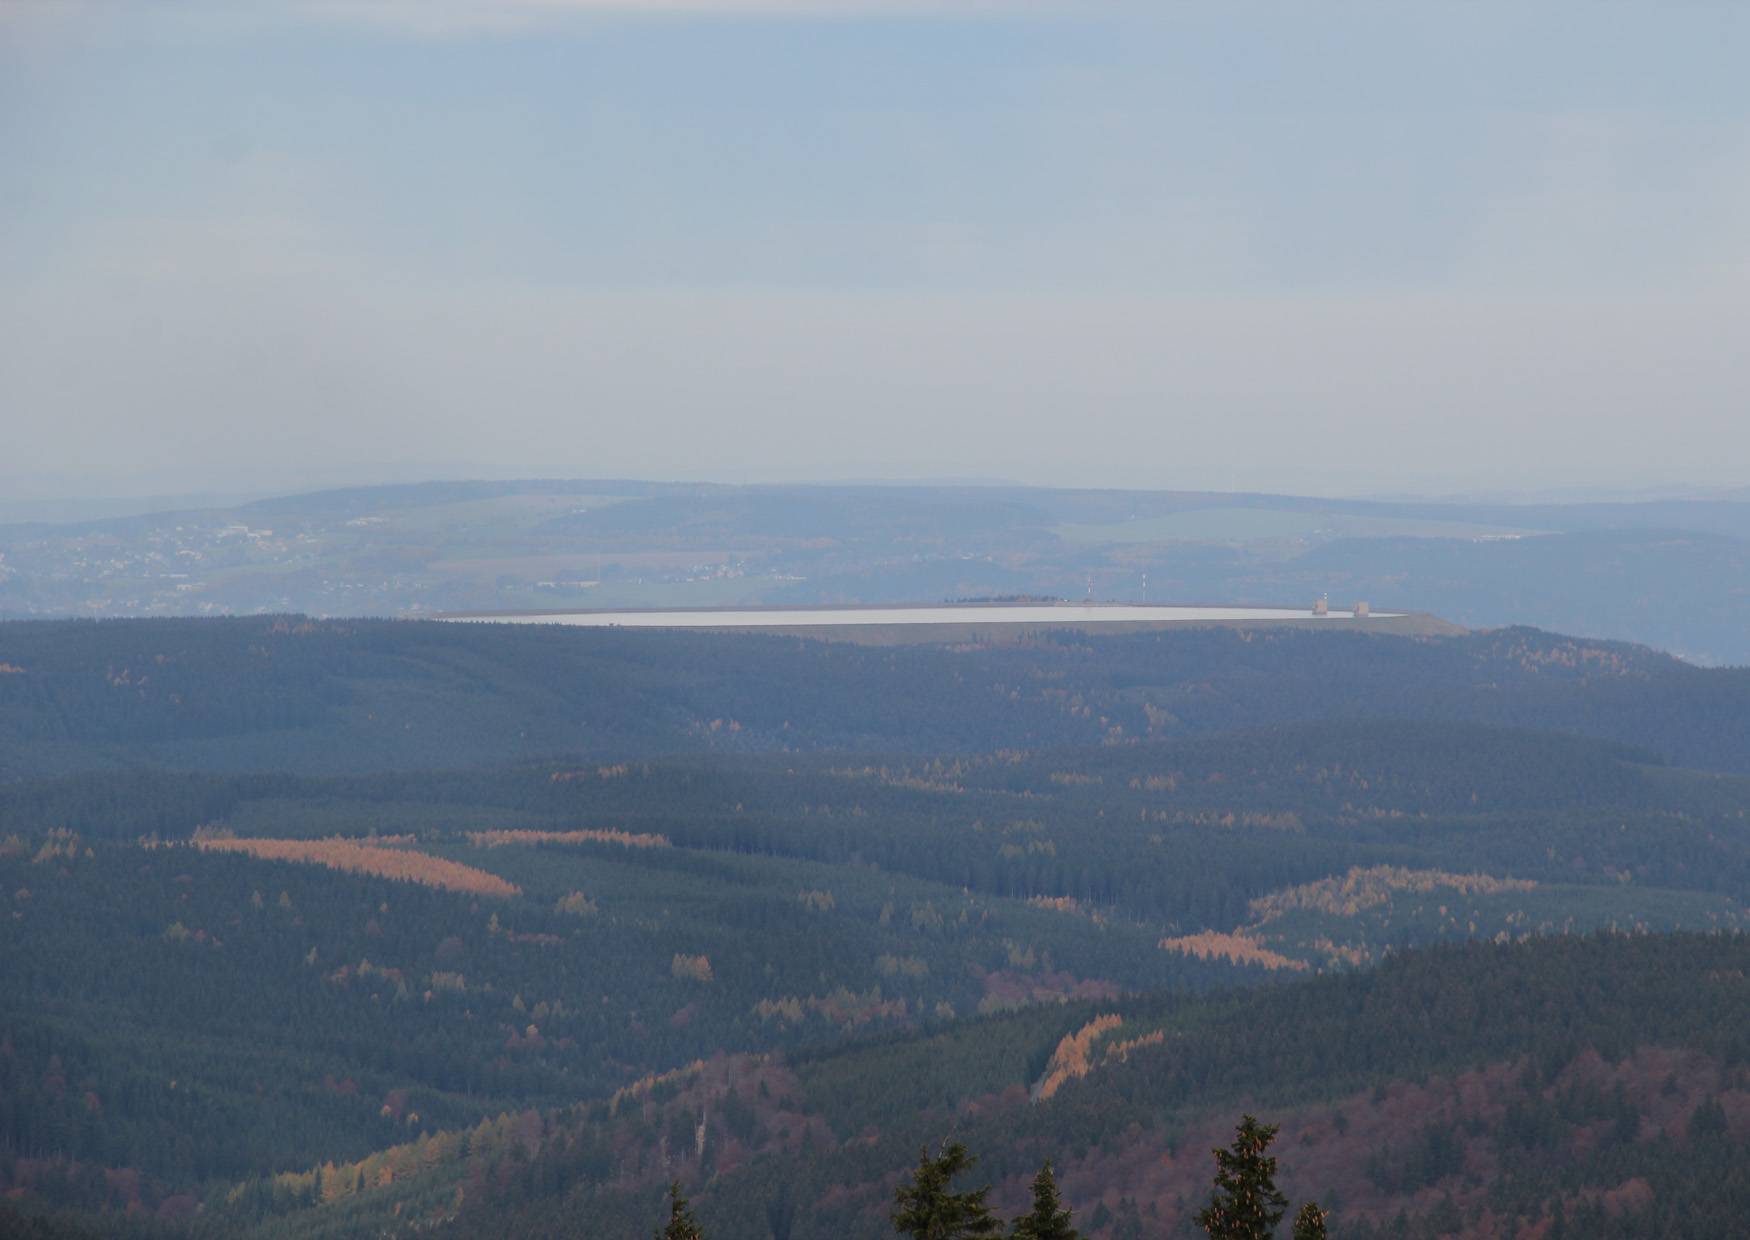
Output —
<point x="1591" y="1087"/>
<point x="295" y="695"/>
<point x="1478" y="1091"/>
<point x="366" y="927"/>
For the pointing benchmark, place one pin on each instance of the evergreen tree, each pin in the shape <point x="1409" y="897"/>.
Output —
<point x="1309" y="1222"/>
<point x="1246" y="1204"/>
<point x="681" y="1223"/>
<point x="781" y="1212"/>
<point x="1048" y="1220"/>
<point x="1128" y="1225"/>
<point x="925" y="1209"/>
<point x="1558" y="1226"/>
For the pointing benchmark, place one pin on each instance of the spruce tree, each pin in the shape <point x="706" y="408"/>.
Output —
<point x="1048" y="1220"/>
<point x="1309" y="1223"/>
<point x="1128" y="1225"/>
<point x="681" y="1224"/>
<point x="1246" y="1205"/>
<point x="781" y="1212"/>
<point x="925" y="1209"/>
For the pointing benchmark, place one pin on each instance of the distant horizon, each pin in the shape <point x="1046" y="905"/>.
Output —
<point x="1356" y="251"/>
<point x="24" y="504"/>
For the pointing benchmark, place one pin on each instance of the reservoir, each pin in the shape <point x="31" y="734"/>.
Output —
<point x="1076" y="614"/>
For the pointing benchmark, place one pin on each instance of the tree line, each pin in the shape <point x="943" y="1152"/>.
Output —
<point x="1244" y="1203"/>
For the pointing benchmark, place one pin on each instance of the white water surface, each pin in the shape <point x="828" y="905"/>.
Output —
<point x="1019" y="613"/>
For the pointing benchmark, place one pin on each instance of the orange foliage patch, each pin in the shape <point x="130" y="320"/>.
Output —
<point x="644" y="1084"/>
<point x="844" y="1008"/>
<point x="1361" y="889"/>
<point x="397" y="863"/>
<point x="498" y="838"/>
<point x="1063" y="904"/>
<point x="1073" y="1056"/>
<point x="1234" y="948"/>
<point x="1121" y="1050"/>
<point x="698" y="968"/>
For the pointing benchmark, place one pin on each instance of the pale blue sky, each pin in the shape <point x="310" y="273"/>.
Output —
<point x="1296" y="246"/>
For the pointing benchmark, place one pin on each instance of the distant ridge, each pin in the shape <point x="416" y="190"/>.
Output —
<point x="1671" y="572"/>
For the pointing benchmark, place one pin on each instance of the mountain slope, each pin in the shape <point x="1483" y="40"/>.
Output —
<point x="1458" y="1092"/>
<point x="299" y="695"/>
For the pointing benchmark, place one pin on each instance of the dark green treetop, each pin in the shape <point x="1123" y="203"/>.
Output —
<point x="681" y="1223"/>
<point x="1309" y="1222"/>
<point x="1048" y="1220"/>
<point x="1246" y="1205"/>
<point x="925" y="1209"/>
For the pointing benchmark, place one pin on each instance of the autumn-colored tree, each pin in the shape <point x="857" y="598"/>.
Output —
<point x="402" y="864"/>
<point x="1048" y="1220"/>
<point x="1072" y="1059"/>
<point x="681" y="1224"/>
<point x="925" y="1209"/>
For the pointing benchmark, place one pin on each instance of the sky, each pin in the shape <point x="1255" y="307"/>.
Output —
<point x="1335" y="247"/>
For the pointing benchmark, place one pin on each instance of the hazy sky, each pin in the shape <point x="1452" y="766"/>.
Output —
<point x="1292" y="246"/>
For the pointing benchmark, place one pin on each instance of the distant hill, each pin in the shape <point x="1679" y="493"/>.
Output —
<point x="297" y="695"/>
<point x="1670" y="573"/>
